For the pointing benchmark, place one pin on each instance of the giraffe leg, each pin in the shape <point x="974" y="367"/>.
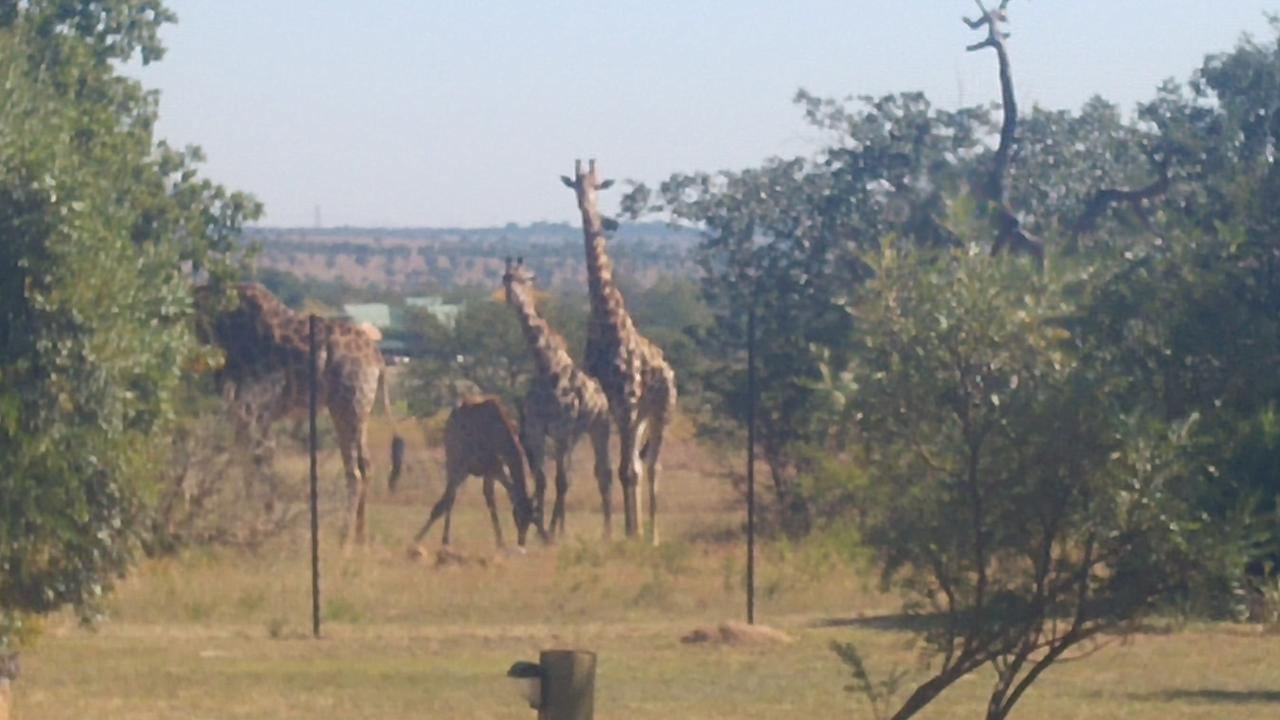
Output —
<point x="349" y="446"/>
<point x="362" y="464"/>
<point x="562" y="490"/>
<point x="604" y="474"/>
<point x="443" y="507"/>
<point x="264" y="448"/>
<point x="627" y="473"/>
<point x="535" y="448"/>
<point x="652" y="447"/>
<point x="491" y="502"/>
<point x="520" y="511"/>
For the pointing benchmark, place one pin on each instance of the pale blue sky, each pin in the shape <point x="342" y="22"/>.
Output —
<point x="443" y="112"/>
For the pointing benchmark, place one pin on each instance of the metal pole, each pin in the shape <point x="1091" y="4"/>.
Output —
<point x="314" y="500"/>
<point x="751" y="460"/>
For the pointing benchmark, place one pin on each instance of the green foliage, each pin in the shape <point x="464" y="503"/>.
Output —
<point x="1018" y="501"/>
<point x="96" y="223"/>
<point x="878" y="692"/>
<point x="484" y="352"/>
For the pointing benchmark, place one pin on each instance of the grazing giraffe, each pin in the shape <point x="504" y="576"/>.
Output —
<point x="638" y="381"/>
<point x="480" y="439"/>
<point x="563" y="404"/>
<point x="266" y="374"/>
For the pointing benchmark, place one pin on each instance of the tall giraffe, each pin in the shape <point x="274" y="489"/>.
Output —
<point x="266" y="377"/>
<point x="638" y="381"/>
<point x="563" y="404"/>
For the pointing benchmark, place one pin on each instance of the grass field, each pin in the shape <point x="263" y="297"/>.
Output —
<point x="226" y="634"/>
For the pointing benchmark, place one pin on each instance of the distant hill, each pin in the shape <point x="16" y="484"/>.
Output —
<point x="434" y="259"/>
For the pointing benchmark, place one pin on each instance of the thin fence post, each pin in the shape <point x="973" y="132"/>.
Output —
<point x="314" y="499"/>
<point x="751" y="459"/>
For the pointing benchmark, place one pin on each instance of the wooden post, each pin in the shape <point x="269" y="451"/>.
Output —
<point x="314" y="500"/>
<point x="568" y="685"/>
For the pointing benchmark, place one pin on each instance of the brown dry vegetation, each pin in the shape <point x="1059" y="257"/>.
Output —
<point x="225" y="634"/>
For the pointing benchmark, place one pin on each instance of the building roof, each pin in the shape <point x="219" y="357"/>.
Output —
<point x="376" y="314"/>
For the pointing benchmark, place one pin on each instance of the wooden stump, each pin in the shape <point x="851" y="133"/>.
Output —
<point x="568" y="685"/>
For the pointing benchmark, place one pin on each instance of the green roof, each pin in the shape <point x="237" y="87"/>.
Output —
<point x="376" y="314"/>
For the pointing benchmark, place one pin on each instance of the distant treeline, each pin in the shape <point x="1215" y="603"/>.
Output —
<point x="445" y="258"/>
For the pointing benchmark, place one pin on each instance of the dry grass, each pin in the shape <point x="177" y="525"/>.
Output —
<point x="221" y="634"/>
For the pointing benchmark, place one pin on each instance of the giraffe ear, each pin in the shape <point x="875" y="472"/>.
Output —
<point x="567" y="182"/>
<point x="605" y="185"/>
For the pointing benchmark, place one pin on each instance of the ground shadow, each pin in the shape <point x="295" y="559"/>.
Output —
<point x="1213" y="695"/>
<point x="910" y="622"/>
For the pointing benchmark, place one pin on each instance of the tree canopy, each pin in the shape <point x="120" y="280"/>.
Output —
<point x="101" y="229"/>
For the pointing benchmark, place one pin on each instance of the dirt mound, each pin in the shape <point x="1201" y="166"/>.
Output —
<point x="736" y="633"/>
<point x="446" y="557"/>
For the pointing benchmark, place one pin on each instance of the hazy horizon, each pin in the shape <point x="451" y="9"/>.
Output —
<point x="451" y="114"/>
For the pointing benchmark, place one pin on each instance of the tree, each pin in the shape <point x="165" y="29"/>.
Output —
<point x="483" y="352"/>
<point x="97" y="223"/>
<point x="1020" y="503"/>
<point x="787" y="238"/>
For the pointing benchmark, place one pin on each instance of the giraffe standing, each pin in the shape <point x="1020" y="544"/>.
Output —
<point x="563" y="404"/>
<point x="637" y="380"/>
<point x="266" y="377"/>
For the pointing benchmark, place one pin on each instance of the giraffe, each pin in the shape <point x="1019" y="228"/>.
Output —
<point x="480" y="439"/>
<point x="636" y="378"/>
<point x="265" y="377"/>
<point x="563" y="404"/>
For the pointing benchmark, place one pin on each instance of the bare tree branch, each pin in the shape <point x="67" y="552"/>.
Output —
<point x="1009" y="231"/>
<point x="1103" y="199"/>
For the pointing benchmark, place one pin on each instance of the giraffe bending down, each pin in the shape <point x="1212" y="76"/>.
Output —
<point x="563" y="404"/>
<point x="479" y="439"/>
<point x="266" y="377"/>
<point x="638" y="381"/>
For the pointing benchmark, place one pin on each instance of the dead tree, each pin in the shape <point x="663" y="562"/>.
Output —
<point x="1009" y="231"/>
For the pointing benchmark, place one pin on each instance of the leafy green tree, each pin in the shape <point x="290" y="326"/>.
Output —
<point x="97" y="223"/>
<point x="786" y="238"/>
<point x="1020" y="503"/>
<point x="484" y="352"/>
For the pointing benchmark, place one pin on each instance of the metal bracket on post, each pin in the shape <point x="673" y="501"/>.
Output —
<point x="560" y="686"/>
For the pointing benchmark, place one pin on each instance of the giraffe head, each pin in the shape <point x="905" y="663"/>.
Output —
<point x="585" y="184"/>
<point x="518" y="281"/>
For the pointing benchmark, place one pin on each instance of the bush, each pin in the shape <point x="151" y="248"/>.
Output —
<point x="1013" y="497"/>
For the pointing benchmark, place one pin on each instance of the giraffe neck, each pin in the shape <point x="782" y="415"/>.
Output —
<point x="607" y="306"/>
<point x="550" y="352"/>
